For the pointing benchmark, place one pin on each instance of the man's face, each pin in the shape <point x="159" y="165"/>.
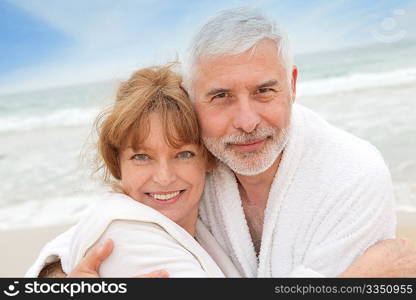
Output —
<point x="243" y="104"/>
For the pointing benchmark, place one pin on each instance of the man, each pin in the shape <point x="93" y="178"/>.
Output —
<point x="293" y="196"/>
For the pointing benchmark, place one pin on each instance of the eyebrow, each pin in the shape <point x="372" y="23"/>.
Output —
<point x="268" y="83"/>
<point x="215" y="91"/>
<point x="138" y="149"/>
<point x="146" y="149"/>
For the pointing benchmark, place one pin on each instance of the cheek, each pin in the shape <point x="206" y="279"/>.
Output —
<point x="213" y="122"/>
<point x="195" y="176"/>
<point x="198" y="187"/>
<point x="132" y="179"/>
<point x="277" y="115"/>
<point x="126" y="184"/>
<point x="201" y="182"/>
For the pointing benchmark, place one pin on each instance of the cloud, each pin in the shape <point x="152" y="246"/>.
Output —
<point x="109" y="39"/>
<point x="325" y="25"/>
<point x="106" y="39"/>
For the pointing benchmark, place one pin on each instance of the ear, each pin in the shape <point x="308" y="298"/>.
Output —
<point x="183" y="88"/>
<point x="211" y="163"/>
<point x="210" y="168"/>
<point x="293" y="81"/>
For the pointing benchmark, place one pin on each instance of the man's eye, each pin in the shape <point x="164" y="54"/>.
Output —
<point x="263" y="90"/>
<point x="221" y="95"/>
<point x="185" y="155"/>
<point x="140" y="157"/>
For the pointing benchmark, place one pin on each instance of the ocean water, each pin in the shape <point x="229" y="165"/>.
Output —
<point x="45" y="135"/>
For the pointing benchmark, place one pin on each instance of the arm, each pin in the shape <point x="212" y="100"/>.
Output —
<point x="362" y="214"/>
<point x="54" y="251"/>
<point x="58" y="249"/>
<point x="389" y="258"/>
<point x="89" y="265"/>
<point x="146" y="247"/>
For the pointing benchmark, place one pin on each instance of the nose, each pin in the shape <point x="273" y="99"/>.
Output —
<point x="246" y="118"/>
<point x="164" y="174"/>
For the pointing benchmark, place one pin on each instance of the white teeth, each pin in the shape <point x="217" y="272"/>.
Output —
<point x="165" y="196"/>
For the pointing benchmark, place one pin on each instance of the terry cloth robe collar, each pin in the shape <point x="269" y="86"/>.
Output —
<point x="233" y="232"/>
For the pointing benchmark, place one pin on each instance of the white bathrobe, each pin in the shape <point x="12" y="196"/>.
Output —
<point x="145" y="241"/>
<point x="331" y="199"/>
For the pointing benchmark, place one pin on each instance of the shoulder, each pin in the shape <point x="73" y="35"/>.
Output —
<point x="124" y="219"/>
<point x="337" y="149"/>
<point x="148" y="238"/>
<point x="114" y="206"/>
<point x="142" y="247"/>
<point x="145" y="240"/>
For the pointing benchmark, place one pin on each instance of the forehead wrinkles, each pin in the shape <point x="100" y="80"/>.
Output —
<point x="217" y="74"/>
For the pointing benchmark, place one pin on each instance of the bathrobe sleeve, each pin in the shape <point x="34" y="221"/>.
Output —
<point x="144" y="241"/>
<point x="143" y="247"/>
<point x="356" y="215"/>
<point x="140" y="248"/>
<point x="56" y="249"/>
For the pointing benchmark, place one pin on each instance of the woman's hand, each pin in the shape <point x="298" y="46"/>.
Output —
<point x="89" y="265"/>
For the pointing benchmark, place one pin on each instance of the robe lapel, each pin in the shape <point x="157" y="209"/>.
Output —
<point x="277" y="195"/>
<point x="233" y="218"/>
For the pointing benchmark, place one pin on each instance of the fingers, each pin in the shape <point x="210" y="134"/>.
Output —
<point x="94" y="259"/>
<point x="104" y="251"/>
<point x="155" y="274"/>
<point x="90" y="264"/>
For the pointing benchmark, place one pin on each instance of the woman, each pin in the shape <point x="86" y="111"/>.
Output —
<point x="151" y="152"/>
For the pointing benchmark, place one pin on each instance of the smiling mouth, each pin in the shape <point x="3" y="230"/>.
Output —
<point x="165" y="196"/>
<point x="250" y="143"/>
<point x="250" y="146"/>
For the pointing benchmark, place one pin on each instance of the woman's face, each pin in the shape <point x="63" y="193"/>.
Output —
<point x="167" y="179"/>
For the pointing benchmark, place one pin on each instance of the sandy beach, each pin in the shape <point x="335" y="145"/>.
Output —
<point x="406" y="225"/>
<point x="21" y="247"/>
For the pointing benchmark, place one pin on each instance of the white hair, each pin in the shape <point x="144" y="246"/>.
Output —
<point x="231" y="32"/>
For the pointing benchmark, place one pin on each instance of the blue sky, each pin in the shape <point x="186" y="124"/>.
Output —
<point x="55" y="42"/>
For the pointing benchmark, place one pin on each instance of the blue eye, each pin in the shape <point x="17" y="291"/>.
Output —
<point x="140" y="157"/>
<point x="185" y="155"/>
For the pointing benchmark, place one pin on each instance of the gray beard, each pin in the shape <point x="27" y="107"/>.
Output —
<point x="249" y="162"/>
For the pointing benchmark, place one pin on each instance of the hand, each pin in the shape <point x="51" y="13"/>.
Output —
<point x="90" y="264"/>
<point x="389" y="258"/>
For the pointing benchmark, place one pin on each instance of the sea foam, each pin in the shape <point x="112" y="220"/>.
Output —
<point x="357" y="81"/>
<point x="58" y="118"/>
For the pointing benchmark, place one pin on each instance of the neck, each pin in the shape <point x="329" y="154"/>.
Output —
<point x="257" y="187"/>
<point x="189" y="222"/>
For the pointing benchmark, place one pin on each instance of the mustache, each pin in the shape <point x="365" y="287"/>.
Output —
<point x="246" y="138"/>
